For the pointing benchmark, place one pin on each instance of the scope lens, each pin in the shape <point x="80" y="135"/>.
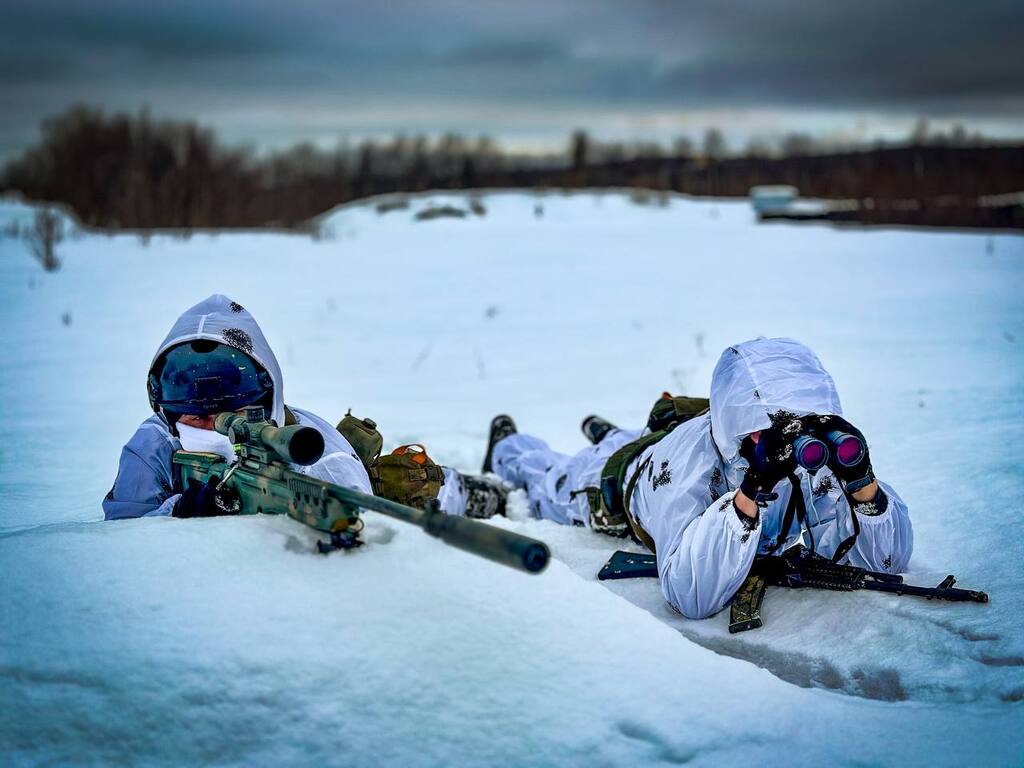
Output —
<point x="849" y="450"/>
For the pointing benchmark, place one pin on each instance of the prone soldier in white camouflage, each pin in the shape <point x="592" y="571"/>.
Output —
<point x="215" y="359"/>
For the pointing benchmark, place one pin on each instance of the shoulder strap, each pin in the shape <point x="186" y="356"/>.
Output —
<point x="614" y="472"/>
<point x="638" y="530"/>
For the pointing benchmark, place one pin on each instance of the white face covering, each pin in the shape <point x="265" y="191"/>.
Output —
<point x="206" y="441"/>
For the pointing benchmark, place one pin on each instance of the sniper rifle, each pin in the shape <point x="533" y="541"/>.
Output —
<point x="262" y="481"/>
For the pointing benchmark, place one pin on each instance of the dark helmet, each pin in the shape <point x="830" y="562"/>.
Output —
<point x="204" y="377"/>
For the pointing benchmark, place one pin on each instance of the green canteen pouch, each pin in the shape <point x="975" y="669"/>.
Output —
<point x="363" y="436"/>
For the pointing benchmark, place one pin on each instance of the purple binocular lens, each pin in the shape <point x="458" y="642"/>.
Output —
<point x="849" y="449"/>
<point x="811" y="453"/>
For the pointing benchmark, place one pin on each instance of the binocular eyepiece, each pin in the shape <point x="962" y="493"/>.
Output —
<point x="812" y="453"/>
<point x="849" y="449"/>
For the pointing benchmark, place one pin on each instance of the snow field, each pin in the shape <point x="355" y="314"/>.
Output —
<point x="222" y="641"/>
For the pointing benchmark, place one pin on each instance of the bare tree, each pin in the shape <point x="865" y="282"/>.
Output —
<point x="42" y="239"/>
<point x="714" y="144"/>
<point x="579" y="149"/>
<point x="919" y="135"/>
<point x="758" y="147"/>
<point x="682" y="146"/>
<point x="798" y="144"/>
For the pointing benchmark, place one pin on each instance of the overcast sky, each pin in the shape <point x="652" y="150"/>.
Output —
<point x="523" y="71"/>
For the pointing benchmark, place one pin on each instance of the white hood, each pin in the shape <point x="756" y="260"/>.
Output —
<point x="758" y="378"/>
<point x="218" y="318"/>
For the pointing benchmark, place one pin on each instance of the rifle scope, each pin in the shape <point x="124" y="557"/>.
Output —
<point x="296" y="444"/>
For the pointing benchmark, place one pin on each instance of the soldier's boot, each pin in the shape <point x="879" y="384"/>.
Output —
<point x="501" y="427"/>
<point x="486" y="495"/>
<point x="595" y="428"/>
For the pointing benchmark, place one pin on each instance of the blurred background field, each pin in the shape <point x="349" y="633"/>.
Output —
<point x="234" y="114"/>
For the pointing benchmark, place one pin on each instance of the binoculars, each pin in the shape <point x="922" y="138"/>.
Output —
<point x="812" y="453"/>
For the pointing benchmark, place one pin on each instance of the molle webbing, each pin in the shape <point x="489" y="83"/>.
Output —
<point x="407" y="475"/>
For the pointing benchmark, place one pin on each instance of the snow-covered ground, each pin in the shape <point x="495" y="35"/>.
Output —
<point x="226" y="642"/>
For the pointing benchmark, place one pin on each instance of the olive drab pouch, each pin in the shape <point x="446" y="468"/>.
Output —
<point x="670" y="411"/>
<point x="363" y="436"/>
<point x="602" y="519"/>
<point x="407" y="475"/>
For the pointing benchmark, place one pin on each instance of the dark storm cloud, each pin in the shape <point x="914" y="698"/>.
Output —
<point x="929" y="55"/>
<point x="188" y="57"/>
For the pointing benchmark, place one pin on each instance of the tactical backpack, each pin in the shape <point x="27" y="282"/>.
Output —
<point x="406" y="475"/>
<point x="609" y="504"/>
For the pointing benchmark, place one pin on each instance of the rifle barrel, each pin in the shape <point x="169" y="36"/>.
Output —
<point x="505" y="547"/>
<point x="940" y="593"/>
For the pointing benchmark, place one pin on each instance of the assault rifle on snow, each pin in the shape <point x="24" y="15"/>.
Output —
<point x="262" y="481"/>
<point x="796" y="568"/>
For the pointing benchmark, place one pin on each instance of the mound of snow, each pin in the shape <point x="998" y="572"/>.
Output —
<point x="228" y="642"/>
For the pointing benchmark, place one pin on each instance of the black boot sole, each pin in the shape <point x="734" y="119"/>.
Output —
<point x="493" y="438"/>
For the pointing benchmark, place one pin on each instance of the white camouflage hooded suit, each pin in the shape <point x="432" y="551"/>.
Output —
<point x="146" y="484"/>
<point x="683" y="497"/>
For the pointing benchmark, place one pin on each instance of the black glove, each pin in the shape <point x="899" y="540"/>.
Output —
<point x="855" y="472"/>
<point x="771" y="460"/>
<point x="204" y="500"/>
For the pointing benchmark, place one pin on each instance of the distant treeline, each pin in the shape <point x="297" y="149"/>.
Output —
<point x="134" y="172"/>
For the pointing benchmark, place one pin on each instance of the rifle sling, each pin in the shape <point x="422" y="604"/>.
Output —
<point x="795" y="507"/>
<point x="848" y="543"/>
<point x="638" y="530"/>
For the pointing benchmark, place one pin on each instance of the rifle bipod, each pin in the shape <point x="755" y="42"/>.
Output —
<point x="339" y="540"/>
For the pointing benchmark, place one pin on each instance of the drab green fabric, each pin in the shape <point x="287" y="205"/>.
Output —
<point x="363" y="436"/>
<point x="399" y="477"/>
<point x="667" y="412"/>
